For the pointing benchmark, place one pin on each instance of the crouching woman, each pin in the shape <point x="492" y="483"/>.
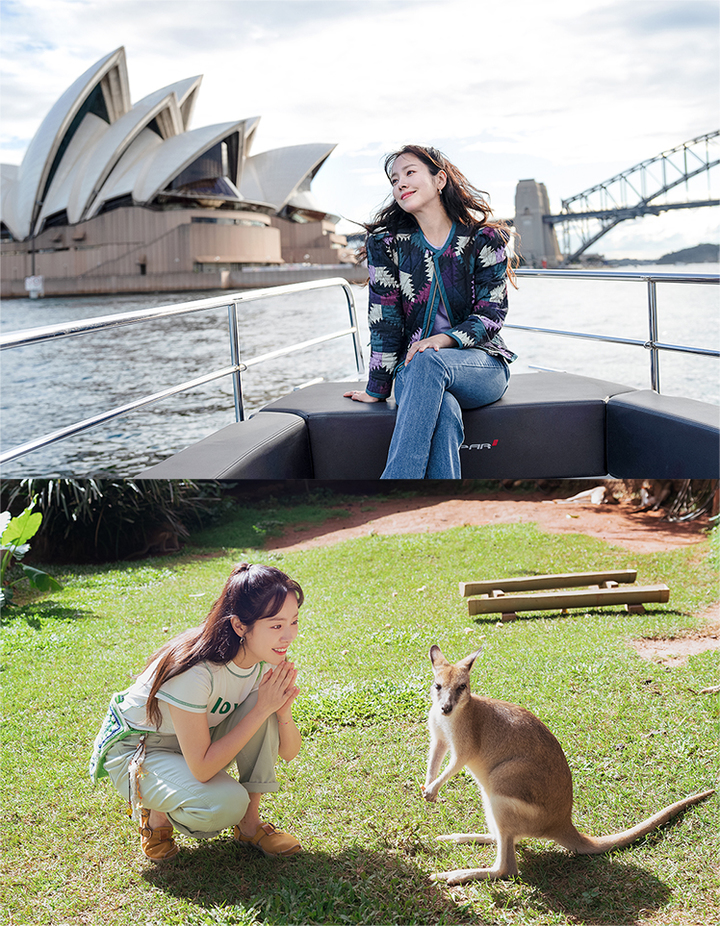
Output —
<point x="218" y="694"/>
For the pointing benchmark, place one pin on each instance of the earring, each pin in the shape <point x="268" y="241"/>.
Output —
<point x="242" y="641"/>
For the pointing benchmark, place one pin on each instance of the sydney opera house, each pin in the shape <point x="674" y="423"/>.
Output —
<point x="116" y="197"/>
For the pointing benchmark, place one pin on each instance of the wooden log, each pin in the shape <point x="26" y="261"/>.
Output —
<point x="533" y="583"/>
<point x="557" y="601"/>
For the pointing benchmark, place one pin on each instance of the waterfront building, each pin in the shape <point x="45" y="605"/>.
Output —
<point x="119" y="197"/>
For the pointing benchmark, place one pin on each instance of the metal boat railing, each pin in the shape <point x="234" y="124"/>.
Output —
<point x="233" y="301"/>
<point x="651" y="279"/>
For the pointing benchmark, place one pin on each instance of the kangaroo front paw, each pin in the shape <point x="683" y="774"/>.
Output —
<point x="429" y="793"/>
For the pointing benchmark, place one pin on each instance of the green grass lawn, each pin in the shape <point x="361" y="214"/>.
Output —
<point x="638" y="735"/>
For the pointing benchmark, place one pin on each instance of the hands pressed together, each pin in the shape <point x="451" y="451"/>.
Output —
<point x="277" y="691"/>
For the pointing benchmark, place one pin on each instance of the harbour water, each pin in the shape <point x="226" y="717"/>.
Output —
<point x="49" y="385"/>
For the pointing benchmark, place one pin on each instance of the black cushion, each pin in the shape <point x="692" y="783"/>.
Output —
<point x="651" y="436"/>
<point x="263" y="447"/>
<point x="348" y="440"/>
<point x="547" y="425"/>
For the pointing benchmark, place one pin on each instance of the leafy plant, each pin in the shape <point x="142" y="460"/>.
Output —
<point x="15" y="532"/>
<point x="99" y="520"/>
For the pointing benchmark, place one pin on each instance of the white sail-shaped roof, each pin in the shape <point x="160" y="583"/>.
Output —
<point x="8" y="182"/>
<point x="161" y="107"/>
<point x="124" y="175"/>
<point x="73" y="165"/>
<point x="94" y="150"/>
<point x="8" y="178"/>
<point x="247" y="138"/>
<point x="276" y="176"/>
<point x="110" y="73"/>
<point x="186" y="92"/>
<point x="176" y="154"/>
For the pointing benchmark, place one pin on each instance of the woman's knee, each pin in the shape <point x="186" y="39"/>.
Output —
<point x="213" y="809"/>
<point x="427" y="361"/>
<point x="425" y="368"/>
<point x="481" y="384"/>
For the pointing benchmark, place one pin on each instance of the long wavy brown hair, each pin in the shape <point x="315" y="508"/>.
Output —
<point x="463" y="202"/>
<point x="252" y="592"/>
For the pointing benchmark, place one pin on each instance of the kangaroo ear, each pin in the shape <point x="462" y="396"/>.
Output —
<point x="436" y="656"/>
<point x="467" y="662"/>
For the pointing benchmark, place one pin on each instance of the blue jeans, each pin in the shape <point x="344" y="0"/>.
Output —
<point x="431" y="392"/>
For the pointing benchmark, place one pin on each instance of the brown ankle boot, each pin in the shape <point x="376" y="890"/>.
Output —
<point x="157" y="844"/>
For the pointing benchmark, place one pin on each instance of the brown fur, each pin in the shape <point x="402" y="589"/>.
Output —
<point x="524" y="777"/>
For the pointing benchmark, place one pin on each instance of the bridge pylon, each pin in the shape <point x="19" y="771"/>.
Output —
<point x="538" y="244"/>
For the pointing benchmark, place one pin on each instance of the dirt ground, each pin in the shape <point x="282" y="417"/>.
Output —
<point x="620" y="523"/>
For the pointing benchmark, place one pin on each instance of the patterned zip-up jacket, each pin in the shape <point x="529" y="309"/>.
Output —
<point x="408" y="280"/>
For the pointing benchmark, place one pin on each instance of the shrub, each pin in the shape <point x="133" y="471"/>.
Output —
<point x="101" y="520"/>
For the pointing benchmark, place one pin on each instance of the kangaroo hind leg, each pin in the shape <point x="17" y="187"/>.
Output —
<point x="505" y="866"/>
<point x="459" y="838"/>
<point x="484" y="838"/>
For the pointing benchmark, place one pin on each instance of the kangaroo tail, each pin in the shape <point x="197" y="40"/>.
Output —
<point x="591" y="845"/>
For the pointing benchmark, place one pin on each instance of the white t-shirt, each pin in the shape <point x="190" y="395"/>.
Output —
<point x="205" y="688"/>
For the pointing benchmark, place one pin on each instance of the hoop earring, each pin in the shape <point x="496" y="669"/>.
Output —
<point x="241" y="641"/>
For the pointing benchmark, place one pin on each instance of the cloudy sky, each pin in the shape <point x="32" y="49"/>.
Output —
<point x="569" y="92"/>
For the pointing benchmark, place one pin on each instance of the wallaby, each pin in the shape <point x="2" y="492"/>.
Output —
<point x="524" y="777"/>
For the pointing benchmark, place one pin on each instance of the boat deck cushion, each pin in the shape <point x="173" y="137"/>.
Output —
<point x="653" y="436"/>
<point x="547" y="425"/>
<point x="348" y="440"/>
<point x="263" y="447"/>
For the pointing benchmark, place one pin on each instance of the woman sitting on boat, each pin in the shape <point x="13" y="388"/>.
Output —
<point x="438" y="298"/>
<point x="218" y="694"/>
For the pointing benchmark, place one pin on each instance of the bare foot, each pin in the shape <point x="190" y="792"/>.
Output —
<point x="157" y="819"/>
<point x="248" y="826"/>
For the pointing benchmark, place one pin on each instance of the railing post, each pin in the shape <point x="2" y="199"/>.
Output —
<point x="653" y="336"/>
<point x="235" y="360"/>
<point x="359" y="365"/>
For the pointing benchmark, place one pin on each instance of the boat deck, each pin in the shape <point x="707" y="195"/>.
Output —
<point x="547" y="425"/>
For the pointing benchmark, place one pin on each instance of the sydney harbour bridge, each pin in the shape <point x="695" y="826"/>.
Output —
<point x="644" y="189"/>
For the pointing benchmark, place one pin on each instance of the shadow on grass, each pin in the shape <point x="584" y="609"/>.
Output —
<point x="495" y="616"/>
<point x="366" y="886"/>
<point x="34" y="614"/>
<point x="355" y="885"/>
<point x="593" y="890"/>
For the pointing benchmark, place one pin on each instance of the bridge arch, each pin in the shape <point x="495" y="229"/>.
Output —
<point x="638" y="191"/>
